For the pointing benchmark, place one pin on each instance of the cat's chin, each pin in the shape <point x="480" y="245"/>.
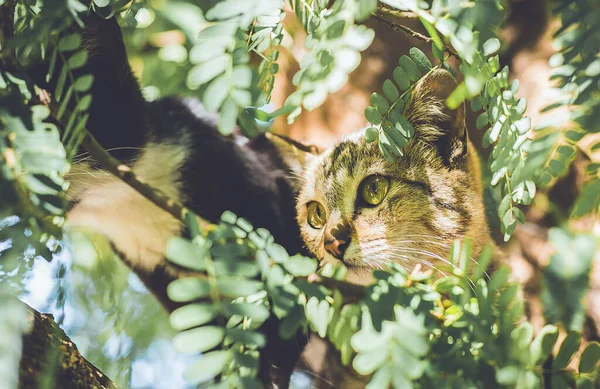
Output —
<point x="360" y="275"/>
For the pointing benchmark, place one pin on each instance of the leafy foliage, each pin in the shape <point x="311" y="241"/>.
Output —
<point x="410" y="330"/>
<point x="407" y="329"/>
<point x="576" y="111"/>
<point x="221" y="57"/>
<point x="33" y="166"/>
<point x="35" y="157"/>
<point x="394" y="131"/>
<point x="334" y="44"/>
<point x="227" y="301"/>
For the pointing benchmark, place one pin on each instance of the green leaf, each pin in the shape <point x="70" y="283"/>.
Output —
<point x="405" y="128"/>
<point x="395" y="136"/>
<point x="508" y="375"/>
<point x="411" y="69"/>
<point x="457" y="96"/>
<point x="371" y="134"/>
<point x="365" y="8"/>
<point x="589" y="357"/>
<point x="65" y="102"/>
<point x="77" y="60"/>
<point x="236" y="266"/>
<point x="380" y="103"/>
<point x="199" y="339"/>
<point x="390" y="91"/>
<point x="420" y="59"/>
<point x="438" y="53"/>
<point x="255" y="312"/>
<point x="372" y="115"/>
<point x="401" y="78"/>
<point x="206" y="71"/>
<point x="230" y="250"/>
<point x="491" y="46"/>
<point x="238" y="287"/>
<point x="523" y="125"/>
<point x="228" y="116"/>
<point x="277" y="253"/>
<point x="70" y="42"/>
<point x="208" y="367"/>
<point x="84" y="83"/>
<point x="84" y="103"/>
<point x="543" y="344"/>
<point x="383" y="378"/>
<point x="299" y="265"/>
<point x="482" y="121"/>
<point x="192" y="315"/>
<point x="186" y="254"/>
<point x="367" y="363"/>
<point x="387" y="143"/>
<point x="438" y="45"/>
<point x="188" y="289"/>
<point x="216" y="92"/>
<point x="384" y="148"/>
<point x="567" y="350"/>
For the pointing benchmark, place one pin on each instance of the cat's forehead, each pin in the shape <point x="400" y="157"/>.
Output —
<point x="341" y="168"/>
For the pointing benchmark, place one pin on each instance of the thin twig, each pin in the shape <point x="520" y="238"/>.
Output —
<point x="384" y="14"/>
<point x="126" y="174"/>
<point x="397" y="13"/>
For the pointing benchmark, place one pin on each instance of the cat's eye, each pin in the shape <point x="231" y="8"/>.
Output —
<point x="374" y="188"/>
<point x="316" y="214"/>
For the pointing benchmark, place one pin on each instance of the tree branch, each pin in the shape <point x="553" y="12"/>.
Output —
<point x="48" y="353"/>
<point x="127" y="175"/>
<point x="386" y="14"/>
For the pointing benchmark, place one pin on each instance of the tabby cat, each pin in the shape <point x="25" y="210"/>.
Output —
<point x="350" y="204"/>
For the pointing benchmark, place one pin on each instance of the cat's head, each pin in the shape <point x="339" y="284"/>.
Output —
<point x="355" y="207"/>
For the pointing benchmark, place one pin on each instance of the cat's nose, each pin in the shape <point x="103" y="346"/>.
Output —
<point x="338" y="240"/>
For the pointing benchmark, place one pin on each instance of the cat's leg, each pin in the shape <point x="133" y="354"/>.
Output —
<point x="118" y="113"/>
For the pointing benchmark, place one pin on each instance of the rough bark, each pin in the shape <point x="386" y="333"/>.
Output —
<point x="50" y="359"/>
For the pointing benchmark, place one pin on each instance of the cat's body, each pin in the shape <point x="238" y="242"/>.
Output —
<point x="433" y="193"/>
<point x="184" y="156"/>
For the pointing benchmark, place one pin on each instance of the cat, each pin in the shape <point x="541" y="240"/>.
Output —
<point x="345" y="204"/>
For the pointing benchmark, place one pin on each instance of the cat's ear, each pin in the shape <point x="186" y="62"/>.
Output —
<point x="295" y="155"/>
<point x="433" y="121"/>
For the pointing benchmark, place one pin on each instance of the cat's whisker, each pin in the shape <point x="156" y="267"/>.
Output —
<point x="84" y="156"/>
<point x="409" y="258"/>
<point x="92" y="172"/>
<point x="435" y="256"/>
<point x="440" y="243"/>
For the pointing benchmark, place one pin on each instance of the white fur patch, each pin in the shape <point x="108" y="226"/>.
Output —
<point x="137" y="228"/>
